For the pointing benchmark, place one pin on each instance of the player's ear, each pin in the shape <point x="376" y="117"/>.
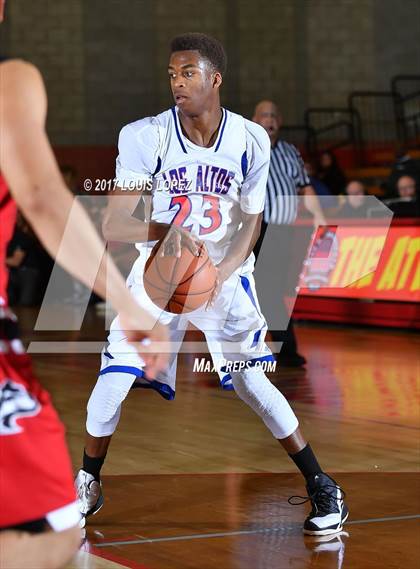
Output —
<point x="217" y="79"/>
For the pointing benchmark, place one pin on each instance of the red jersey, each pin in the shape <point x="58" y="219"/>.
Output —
<point x="36" y="480"/>
<point x="7" y="224"/>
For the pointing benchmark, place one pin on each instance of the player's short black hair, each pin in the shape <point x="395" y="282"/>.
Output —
<point x="208" y="47"/>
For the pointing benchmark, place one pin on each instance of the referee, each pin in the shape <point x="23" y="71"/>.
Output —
<point x="287" y="179"/>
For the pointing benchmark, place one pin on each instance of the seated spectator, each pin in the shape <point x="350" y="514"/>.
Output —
<point x="320" y="188"/>
<point x="407" y="203"/>
<point x="23" y="261"/>
<point x="404" y="165"/>
<point x="355" y="205"/>
<point x="331" y="174"/>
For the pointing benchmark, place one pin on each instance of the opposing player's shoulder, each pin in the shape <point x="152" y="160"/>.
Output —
<point x="257" y="135"/>
<point x="21" y="89"/>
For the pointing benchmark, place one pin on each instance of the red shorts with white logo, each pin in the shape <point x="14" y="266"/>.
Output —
<point x="36" y="480"/>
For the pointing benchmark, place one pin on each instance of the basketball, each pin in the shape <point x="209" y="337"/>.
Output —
<point x="179" y="284"/>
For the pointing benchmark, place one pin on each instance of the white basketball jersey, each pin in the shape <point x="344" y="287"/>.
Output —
<point x="200" y="189"/>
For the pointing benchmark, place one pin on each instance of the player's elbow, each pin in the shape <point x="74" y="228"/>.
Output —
<point x="34" y="202"/>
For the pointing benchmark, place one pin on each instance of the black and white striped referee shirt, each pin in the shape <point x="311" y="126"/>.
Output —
<point x="286" y="176"/>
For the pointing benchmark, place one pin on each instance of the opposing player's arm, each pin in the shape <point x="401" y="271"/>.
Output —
<point x="29" y="167"/>
<point x="120" y="225"/>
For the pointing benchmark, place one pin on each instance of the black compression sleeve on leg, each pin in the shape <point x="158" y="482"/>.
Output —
<point x="306" y="461"/>
<point x="93" y="465"/>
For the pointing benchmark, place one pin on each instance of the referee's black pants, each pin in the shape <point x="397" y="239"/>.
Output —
<point x="288" y="246"/>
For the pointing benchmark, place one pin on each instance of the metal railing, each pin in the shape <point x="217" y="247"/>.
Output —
<point x="331" y="127"/>
<point x="371" y="117"/>
<point x="299" y="135"/>
<point x="407" y="91"/>
<point x="380" y="119"/>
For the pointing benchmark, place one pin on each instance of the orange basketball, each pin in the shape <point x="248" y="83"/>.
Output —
<point x="179" y="284"/>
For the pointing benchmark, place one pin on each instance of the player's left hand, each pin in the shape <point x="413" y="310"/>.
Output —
<point x="221" y="275"/>
<point x="176" y="238"/>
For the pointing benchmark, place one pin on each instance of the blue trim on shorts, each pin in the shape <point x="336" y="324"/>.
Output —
<point x="246" y="285"/>
<point x="162" y="388"/>
<point x="224" y="381"/>
<point x="257" y="336"/>
<point x="122" y="369"/>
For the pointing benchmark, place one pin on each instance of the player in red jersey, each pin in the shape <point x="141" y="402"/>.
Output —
<point x="38" y="514"/>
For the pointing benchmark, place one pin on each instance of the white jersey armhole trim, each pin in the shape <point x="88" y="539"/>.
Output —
<point x="64" y="518"/>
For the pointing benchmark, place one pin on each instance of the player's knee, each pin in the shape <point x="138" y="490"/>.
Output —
<point x="98" y="425"/>
<point x="254" y="387"/>
<point x="106" y="398"/>
<point x="104" y="408"/>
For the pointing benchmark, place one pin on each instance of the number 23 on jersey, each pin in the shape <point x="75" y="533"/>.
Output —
<point x="212" y="218"/>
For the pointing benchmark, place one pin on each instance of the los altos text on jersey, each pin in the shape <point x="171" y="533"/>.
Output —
<point x="211" y="179"/>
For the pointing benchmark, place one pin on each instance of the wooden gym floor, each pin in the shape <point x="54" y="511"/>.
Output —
<point x="199" y="483"/>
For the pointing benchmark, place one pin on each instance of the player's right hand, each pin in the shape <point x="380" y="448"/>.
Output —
<point x="176" y="239"/>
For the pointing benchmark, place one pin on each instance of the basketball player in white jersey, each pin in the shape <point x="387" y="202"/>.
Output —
<point x="207" y="169"/>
